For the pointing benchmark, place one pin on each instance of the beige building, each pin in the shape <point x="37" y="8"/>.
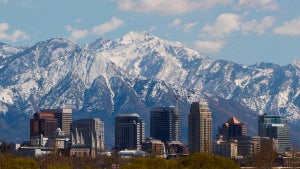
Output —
<point x="226" y="149"/>
<point x="200" y="128"/>
<point x="154" y="147"/>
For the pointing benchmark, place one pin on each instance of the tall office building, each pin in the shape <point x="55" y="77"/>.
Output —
<point x="232" y="129"/>
<point x="165" y="124"/>
<point x="129" y="132"/>
<point x="275" y="127"/>
<point x="88" y="133"/>
<point x="200" y="128"/>
<point x="43" y="123"/>
<point x="64" y="118"/>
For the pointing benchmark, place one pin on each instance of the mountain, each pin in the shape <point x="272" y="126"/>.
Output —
<point x="133" y="74"/>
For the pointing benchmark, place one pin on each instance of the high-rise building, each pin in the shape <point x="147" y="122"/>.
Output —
<point x="165" y="124"/>
<point x="64" y="118"/>
<point x="88" y="133"/>
<point x="43" y="123"/>
<point x="232" y="129"/>
<point x="129" y="132"/>
<point x="275" y="127"/>
<point x="200" y="128"/>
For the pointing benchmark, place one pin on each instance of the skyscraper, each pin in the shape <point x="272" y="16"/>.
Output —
<point x="129" y="131"/>
<point x="43" y="123"/>
<point x="64" y="118"/>
<point x="275" y="127"/>
<point x="88" y="133"/>
<point x="232" y="129"/>
<point x="165" y="124"/>
<point x="200" y="128"/>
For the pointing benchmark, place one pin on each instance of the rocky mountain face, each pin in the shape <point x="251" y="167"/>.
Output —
<point x="133" y="74"/>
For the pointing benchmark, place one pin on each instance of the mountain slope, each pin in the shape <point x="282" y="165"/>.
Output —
<point x="264" y="87"/>
<point x="133" y="74"/>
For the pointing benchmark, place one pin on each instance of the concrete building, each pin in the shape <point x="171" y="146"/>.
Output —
<point x="154" y="148"/>
<point x="200" y="128"/>
<point x="88" y="133"/>
<point x="275" y="127"/>
<point x="176" y="148"/>
<point x="34" y="151"/>
<point x="131" y="153"/>
<point x="129" y="132"/>
<point x="82" y="152"/>
<point x="228" y="149"/>
<point x="64" y="118"/>
<point x="58" y="140"/>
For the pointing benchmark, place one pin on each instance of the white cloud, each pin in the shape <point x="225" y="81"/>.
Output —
<point x="167" y="6"/>
<point x="225" y="24"/>
<point x="175" y="23"/>
<point x="111" y="25"/>
<point x="258" y="4"/>
<point x="76" y="34"/>
<point x="15" y="36"/>
<point x="258" y="27"/>
<point x="289" y="28"/>
<point x="210" y="46"/>
<point x="229" y="23"/>
<point x="188" y="27"/>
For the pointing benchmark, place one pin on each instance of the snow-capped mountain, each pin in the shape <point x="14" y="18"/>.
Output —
<point x="132" y="74"/>
<point x="264" y="87"/>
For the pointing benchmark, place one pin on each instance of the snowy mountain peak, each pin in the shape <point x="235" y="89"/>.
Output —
<point x="136" y="37"/>
<point x="99" y="44"/>
<point x="54" y="43"/>
<point x="7" y="50"/>
<point x="296" y="63"/>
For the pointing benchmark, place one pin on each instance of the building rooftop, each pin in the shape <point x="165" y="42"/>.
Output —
<point x="129" y="115"/>
<point x="233" y="120"/>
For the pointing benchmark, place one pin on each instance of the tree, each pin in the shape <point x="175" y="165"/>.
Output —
<point x="206" y="161"/>
<point x="18" y="163"/>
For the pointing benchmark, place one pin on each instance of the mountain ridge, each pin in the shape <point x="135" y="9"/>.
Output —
<point x="136" y="72"/>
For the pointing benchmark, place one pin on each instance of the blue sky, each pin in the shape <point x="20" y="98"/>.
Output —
<point x="243" y="31"/>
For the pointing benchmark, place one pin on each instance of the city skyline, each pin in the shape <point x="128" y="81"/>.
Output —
<point x="243" y="31"/>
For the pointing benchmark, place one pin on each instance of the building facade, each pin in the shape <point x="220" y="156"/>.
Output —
<point x="43" y="123"/>
<point x="200" y="128"/>
<point x="88" y="133"/>
<point x="232" y="129"/>
<point x="228" y="149"/>
<point x="129" y="132"/>
<point x="64" y="118"/>
<point x="154" y="148"/>
<point x="165" y="124"/>
<point x="275" y="127"/>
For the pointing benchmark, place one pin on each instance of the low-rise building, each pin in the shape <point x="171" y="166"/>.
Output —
<point x="154" y="147"/>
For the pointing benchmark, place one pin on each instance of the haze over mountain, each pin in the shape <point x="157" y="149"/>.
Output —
<point x="133" y="74"/>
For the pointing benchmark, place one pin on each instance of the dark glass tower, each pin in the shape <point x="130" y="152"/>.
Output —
<point x="233" y="129"/>
<point x="275" y="127"/>
<point x="165" y="124"/>
<point x="129" y="132"/>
